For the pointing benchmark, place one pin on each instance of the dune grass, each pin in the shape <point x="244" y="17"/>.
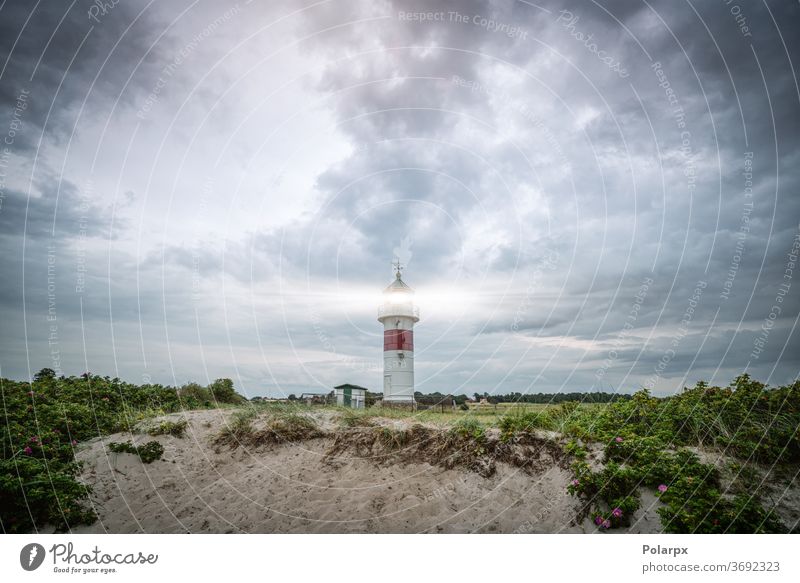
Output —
<point x="168" y="427"/>
<point x="260" y="425"/>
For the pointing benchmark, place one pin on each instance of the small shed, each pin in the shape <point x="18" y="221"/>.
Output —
<point x="348" y="395"/>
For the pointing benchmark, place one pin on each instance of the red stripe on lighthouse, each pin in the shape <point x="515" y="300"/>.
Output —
<point x="398" y="340"/>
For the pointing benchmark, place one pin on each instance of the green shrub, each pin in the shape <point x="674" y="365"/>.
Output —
<point x="693" y="508"/>
<point x="238" y="427"/>
<point x="148" y="452"/>
<point x="469" y="427"/>
<point x="746" y="419"/>
<point x="32" y="493"/>
<point x="222" y="391"/>
<point x="515" y="422"/>
<point x="563" y="411"/>
<point x="167" y="427"/>
<point x="690" y="490"/>
<point x="575" y="449"/>
<point x="613" y="487"/>
<point x="193" y="396"/>
<point x="43" y="422"/>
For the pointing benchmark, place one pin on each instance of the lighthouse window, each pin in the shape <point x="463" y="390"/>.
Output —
<point x="398" y="340"/>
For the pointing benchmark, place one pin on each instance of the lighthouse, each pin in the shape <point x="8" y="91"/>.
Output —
<point x="398" y="314"/>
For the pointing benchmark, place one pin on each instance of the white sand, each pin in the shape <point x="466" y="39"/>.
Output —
<point x="201" y="487"/>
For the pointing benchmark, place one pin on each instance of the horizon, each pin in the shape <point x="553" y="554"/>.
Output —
<point x="628" y="392"/>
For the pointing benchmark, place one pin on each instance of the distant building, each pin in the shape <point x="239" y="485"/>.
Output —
<point x="351" y="396"/>
<point x="313" y="398"/>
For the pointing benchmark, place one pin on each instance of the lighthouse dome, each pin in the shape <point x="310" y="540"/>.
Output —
<point x="398" y="301"/>
<point x="398" y="285"/>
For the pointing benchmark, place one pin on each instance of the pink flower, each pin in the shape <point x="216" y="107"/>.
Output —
<point x="662" y="488"/>
<point x="27" y="450"/>
<point x="34" y="439"/>
<point x="598" y="520"/>
<point x="618" y="439"/>
<point x="606" y="524"/>
<point x="616" y="513"/>
<point x="74" y="442"/>
<point x="575" y="482"/>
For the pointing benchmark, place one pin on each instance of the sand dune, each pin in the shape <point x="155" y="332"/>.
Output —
<point x="200" y="486"/>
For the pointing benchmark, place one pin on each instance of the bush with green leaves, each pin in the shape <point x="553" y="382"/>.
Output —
<point x="169" y="427"/>
<point x="147" y="452"/>
<point x="44" y="420"/>
<point x="643" y="439"/>
<point x="223" y="392"/>
<point x="517" y="422"/>
<point x="469" y="427"/>
<point x="746" y="419"/>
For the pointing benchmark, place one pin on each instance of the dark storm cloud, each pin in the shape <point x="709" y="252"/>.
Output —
<point x="54" y="215"/>
<point x="59" y="54"/>
<point x="489" y="136"/>
<point x="691" y="235"/>
<point x="403" y="52"/>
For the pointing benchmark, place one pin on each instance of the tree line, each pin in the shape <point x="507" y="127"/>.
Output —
<point x="593" y="397"/>
<point x="438" y="398"/>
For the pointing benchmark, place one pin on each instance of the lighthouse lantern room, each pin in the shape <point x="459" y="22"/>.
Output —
<point x="398" y="314"/>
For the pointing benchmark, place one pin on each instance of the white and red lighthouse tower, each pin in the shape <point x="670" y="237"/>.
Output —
<point x="398" y="314"/>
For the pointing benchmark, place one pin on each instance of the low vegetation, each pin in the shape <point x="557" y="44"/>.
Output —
<point x="147" y="452"/>
<point x="251" y="427"/>
<point x="646" y="446"/>
<point x="168" y="427"/>
<point x="238" y="428"/>
<point x="646" y="443"/>
<point x="355" y="418"/>
<point x="45" y="420"/>
<point x="564" y="418"/>
<point x="466" y="444"/>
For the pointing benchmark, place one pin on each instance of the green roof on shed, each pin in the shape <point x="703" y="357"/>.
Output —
<point x="349" y="386"/>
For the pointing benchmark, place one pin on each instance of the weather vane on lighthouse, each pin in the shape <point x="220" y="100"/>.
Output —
<point x="398" y="314"/>
<point x="398" y="267"/>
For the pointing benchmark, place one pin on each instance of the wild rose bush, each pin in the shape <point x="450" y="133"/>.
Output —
<point x="645" y="441"/>
<point x="44" y="421"/>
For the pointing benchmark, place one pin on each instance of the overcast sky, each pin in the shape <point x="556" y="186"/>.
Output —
<point x="586" y="196"/>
